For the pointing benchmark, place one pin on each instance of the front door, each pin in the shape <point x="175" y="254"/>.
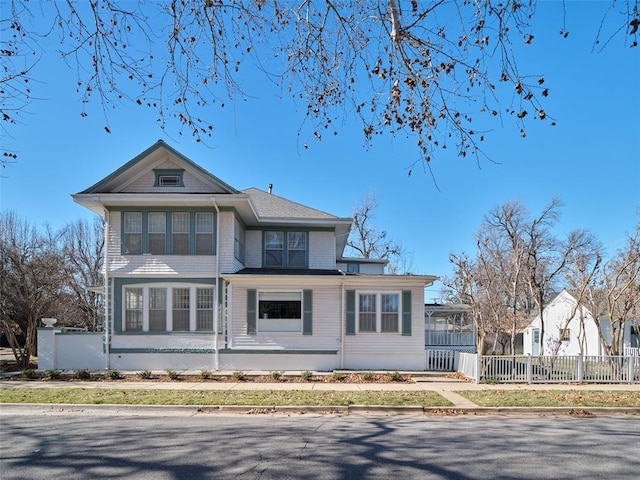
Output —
<point x="535" y="342"/>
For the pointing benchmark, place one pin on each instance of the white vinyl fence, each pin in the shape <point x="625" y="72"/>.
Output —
<point x="560" y="369"/>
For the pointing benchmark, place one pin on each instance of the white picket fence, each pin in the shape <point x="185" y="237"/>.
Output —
<point x="559" y="369"/>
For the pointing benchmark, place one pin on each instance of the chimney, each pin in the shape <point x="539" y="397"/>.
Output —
<point x="270" y="187"/>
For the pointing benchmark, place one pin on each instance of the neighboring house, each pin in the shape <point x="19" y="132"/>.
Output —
<point x="570" y="330"/>
<point x="200" y="275"/>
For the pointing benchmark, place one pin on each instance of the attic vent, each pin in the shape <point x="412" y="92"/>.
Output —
<point x="169" y="178"/>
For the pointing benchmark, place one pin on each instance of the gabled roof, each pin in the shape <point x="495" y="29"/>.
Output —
<point x="140" y="164"/>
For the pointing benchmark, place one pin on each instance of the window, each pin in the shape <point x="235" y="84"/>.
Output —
<point x="133" y="309"/>
<point x="297" y="249"/>
<point x="204" y="233"/>
<point x="353" y="267"/>
<point x="273" y="245"/>
<point x="379" y="312"/>
<point x="280" y="312"/>
<point x="277" y="243"/>
<point x="180" y="222"/>
<point x="389" y="320"/>
<point x="178" y="308"/>
<point x="161" y="232"/>
<point x="132" y="232"/>
<point x="157" y="225"/>
<point x="204" y="309"/>
<point x="157" y="309"/>
<point x="367" y="317"/>
<point x="181" y="309"/>
<point x="169" y="178"/>
<point x="564" y="334"/>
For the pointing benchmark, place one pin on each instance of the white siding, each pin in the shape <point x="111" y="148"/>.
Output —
<point x="178" y="265"/>
<point x="226" y="241"/>
<point x="322" y="250"/>
<point x="326" y="321"/>
<point x="144" y="184"/>
<point x="253" y="249"/>
<point x="390" y="350"/>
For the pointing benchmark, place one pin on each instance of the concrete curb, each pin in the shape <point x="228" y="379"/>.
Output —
<point x="189" y="410"/>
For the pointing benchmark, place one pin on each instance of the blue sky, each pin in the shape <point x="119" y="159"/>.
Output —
<point x="590" y="160"/>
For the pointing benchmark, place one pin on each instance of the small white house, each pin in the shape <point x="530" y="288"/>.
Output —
<point x="569" y="329"/>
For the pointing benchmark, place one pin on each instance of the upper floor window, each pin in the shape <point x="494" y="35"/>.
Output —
<point x="177" y="232"/>
<point x="132" y="228"/>
<point x="285" y="249"/>
<point x="204" y="233"/>
<point x="169" y="178"/>
<point x="180" y="227"/>
<point x="353" y="267"/>
<point x="157" y="232"/>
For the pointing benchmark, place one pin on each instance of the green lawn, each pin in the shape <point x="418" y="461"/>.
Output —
<point x="220" y="397"/>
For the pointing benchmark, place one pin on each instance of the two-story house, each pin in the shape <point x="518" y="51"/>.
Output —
<point x="199" y="275"/>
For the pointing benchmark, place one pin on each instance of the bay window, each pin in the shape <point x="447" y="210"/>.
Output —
<point x="161" y="308"/>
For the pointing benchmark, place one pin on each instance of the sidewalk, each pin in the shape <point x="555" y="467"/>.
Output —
<point x="444" y="386"/>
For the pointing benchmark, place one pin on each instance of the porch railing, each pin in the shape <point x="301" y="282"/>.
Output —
<point x="547" y="369"/>
<point x="448" y="338"/>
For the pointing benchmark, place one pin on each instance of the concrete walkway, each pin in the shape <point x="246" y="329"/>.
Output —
<point x="447" y="387"/>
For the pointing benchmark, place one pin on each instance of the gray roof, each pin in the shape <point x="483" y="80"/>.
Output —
<point x="268" y="205"/>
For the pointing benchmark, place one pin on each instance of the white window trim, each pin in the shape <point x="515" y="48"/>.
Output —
<point x="378" y="294"/>
<point x="283" y="290"/>
<point x="169" y="301"/>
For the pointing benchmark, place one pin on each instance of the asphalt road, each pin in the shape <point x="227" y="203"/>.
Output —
<point x="205" y="446"/>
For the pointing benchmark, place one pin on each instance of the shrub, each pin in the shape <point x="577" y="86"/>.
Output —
<point x="113" y="375"/>
<point x="145" y="374"/>
<point x="338" y="376"/>
<point x="30" y="373"/>
<point x="368" y="376"/>
<point x="306" y="375"/>
<point x="173" y="375"/>
<point x="276" y="375"/>
<point x="82" y="374"/>
<point x="240" y="376"/>
<point x="396" y="377"/>
<point x="52" y="374"/>
<point x="206" y="375"/>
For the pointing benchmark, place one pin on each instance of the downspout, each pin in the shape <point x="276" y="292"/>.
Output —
<point x="107" y="306"/>
<point x="216" y="314"/>
<point x="342" y="320"/>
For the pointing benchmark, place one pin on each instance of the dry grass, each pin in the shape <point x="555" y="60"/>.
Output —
<point x="219" y="397"/>
<point x="552" y="398"/>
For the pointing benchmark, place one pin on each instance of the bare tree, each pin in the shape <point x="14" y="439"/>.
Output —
<point x="30" y="282"/>
<point x="466" y="287"/>
<point x="368" y="242"/>
<point x="614" y="295"/>
<point x="82" y="248"/>
<point x="426" y="69"/>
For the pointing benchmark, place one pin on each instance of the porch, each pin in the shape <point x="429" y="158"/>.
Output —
<point x="449" y="330"/>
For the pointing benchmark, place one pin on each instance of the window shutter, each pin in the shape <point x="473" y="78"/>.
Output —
<point x="406" y="312"/>
<point x="252" y="315"/>
<point x="351" y="312"/>
<point x="307" y="312"/>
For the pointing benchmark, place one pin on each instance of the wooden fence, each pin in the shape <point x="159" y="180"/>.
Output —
<point x="547" y="369"/>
